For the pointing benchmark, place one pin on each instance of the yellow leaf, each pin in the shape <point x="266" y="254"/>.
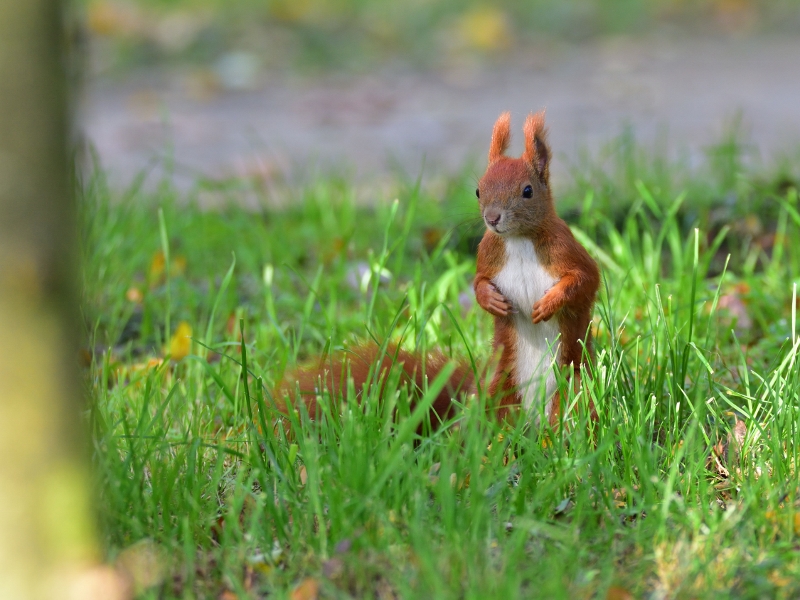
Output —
<point x="158" y="264"/>
<point x="776" y="517"/>
<point x="156" y="271"/>
<point x="178" y="265"/>
<point x="485" y="28"/>
<point x="181" y="343"/>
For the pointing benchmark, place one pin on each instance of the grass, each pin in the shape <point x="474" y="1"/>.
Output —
<point x="686" y="487"/>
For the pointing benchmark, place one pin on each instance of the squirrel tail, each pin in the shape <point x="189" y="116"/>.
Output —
<point x="367" y="365"/>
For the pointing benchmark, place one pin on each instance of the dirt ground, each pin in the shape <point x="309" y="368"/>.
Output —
<point x="689" y="90"/>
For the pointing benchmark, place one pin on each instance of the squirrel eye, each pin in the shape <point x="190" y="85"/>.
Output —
<point x="527" y="192"/>
<point x="477" y="192"/>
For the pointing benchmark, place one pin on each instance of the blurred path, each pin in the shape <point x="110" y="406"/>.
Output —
<point x="689" y="88"/>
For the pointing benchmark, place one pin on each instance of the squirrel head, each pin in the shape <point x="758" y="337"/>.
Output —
<point x="514" y="193"/>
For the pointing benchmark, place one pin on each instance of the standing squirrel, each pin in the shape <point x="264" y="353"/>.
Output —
<point x="533" y="276"/>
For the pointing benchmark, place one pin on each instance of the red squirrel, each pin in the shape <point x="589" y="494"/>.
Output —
<point x="533" y="276"/>
<point x="358" y="363"/>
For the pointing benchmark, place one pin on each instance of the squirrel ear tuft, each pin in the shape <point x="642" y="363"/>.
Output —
<point x="501" y="137"/>
<point x="537" y="152"/>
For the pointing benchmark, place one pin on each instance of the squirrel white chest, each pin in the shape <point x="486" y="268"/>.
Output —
<point x="523" y="281"/>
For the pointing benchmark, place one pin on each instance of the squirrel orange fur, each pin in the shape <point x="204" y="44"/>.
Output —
<point x="360" y="361"/>
<point x="533" y="276"/>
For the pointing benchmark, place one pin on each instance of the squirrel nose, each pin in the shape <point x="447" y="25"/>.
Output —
<point x="492" y="217"/>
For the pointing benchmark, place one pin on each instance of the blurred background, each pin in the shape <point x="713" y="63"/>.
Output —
<point x="211" y="91"/>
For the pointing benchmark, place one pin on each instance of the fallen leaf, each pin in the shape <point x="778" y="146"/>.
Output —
<point x="181" y="343"/>
<point x="333" y="568"/>
<point x="134" y="295"/>
<point x="144" y="563"/>
<point x="308" y="589"/>
<point x="616" y="592"/>
<point x="431" y="236"/>
<point x="156" y="270"/>
<point x="485" y="28"/>
<point x="738" y="435"/>
<point x="563" y="507"/>
<point x="717" y="465"/>
<point x="779" y="580"/>
<point x="777" y="517"/>
<point x="433" y="472"/>
<point x="258" y="564"/>
<point x="733" y="305"/>
<point x="85" y="357"/>
<point x="232" y="327"/>
<point x="343" y="546"/>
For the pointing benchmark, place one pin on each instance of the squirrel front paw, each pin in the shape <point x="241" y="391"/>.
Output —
<point x="546" y="307"/>
<point x="492" y="301"/>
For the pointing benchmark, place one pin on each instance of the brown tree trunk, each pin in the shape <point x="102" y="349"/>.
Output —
<point x="47" y="530"/>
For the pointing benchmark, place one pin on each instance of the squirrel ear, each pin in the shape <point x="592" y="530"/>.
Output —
<point x="501" y="136"/>
<point x="537" y="152"/>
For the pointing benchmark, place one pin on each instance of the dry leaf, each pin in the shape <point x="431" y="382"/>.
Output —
<point x="433" y="473"/>
<point x="563" y="507"/>
<point x="85" y="357"/>
<point x="303" y="475"/>
<point x="333" y="568"/>
<point x="308" y="589"/>
<point x="778" y="516"/>
<point x="232" y="327"/>
<point x="726" y="451"/>
<point x="343" y="546"/>
<point x="431" y="236"/>
<point x="145" y="563"/>
<point x="734" y="306"/>
<point x="157" y="270"/>
<point x="616" y="592"/>
<point x="736" y="440"/>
